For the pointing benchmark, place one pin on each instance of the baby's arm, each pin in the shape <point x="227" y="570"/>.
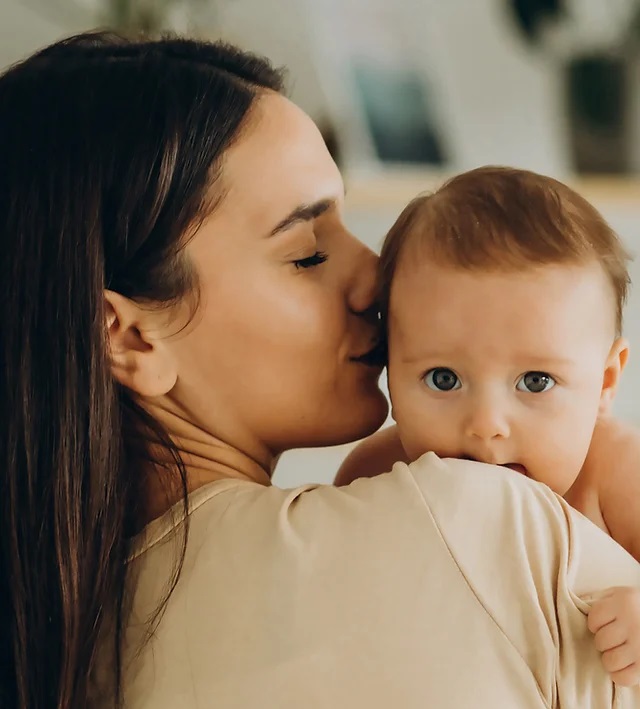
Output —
<point x="613" y="465"/>
<point x="372" y="456"/>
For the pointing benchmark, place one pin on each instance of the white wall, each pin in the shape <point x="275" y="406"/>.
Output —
<point x="279" y="30"/>
<point x="501" y="100"/>
<point x="500" y="103"/>
<point x="27" y="25"/>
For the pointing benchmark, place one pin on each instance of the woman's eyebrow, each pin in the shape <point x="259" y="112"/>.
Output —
<point x="303" y="213"/>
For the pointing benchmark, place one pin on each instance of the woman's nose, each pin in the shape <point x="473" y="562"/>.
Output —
<point x="363" y="287"/>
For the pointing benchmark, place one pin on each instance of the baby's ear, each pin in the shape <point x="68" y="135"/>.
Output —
<point x="616" y="361"/>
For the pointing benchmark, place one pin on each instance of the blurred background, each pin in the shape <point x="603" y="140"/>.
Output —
<point x="409" y="92"/>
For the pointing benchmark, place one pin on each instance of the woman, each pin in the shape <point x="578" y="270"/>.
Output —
<point x="181" y="302"/>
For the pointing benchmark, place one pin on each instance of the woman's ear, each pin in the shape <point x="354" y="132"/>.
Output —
<point x="140" y="359"/>
<point x="616" y="361"/>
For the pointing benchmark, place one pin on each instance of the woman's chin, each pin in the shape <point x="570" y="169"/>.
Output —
<point x="379" y="412"/>
<point x="361" y="419"/>
<point x="356" y="414"/>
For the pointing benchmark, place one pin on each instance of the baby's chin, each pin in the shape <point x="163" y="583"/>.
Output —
<point x="415" y="453"/>
<point x="516" y="467"/>
<point x="559" y="486"/>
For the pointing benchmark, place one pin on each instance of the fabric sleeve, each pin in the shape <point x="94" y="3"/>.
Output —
<point x="533" y="563"/>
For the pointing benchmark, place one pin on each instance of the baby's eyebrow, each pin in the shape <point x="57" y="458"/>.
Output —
<point x="543" y="361"/>
<point x="440" y="358"/>
<point x="535" y="362"/>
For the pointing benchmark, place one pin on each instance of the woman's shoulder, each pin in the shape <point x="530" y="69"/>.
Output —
<point x="428" y="491"/>
<point x="238" y="508"/>
<point x="316" y="582"/>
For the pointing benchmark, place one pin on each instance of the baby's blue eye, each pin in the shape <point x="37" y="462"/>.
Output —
<point x="442" y="379"/>
<point x="535" y="382"/>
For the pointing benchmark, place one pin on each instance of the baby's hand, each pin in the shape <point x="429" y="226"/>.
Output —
<point x="614" y="619"/>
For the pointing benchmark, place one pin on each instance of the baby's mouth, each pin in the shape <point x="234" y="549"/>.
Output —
<point x="516" y="467"/>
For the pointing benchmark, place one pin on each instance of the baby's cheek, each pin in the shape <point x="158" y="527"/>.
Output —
<point x="421" y="432"/>
<point x="415" y="446"/>
<point x="558" y="462"/>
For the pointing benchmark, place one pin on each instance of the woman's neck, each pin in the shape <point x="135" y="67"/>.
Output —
<point x="206" y="459"/>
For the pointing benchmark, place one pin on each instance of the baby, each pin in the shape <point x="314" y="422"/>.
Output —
<point x="503" y="295"/>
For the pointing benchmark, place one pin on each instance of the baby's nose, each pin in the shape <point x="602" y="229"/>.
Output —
<point x="487" y="423"/>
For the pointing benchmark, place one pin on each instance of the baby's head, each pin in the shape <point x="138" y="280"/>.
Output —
<point x="503" y="294"/>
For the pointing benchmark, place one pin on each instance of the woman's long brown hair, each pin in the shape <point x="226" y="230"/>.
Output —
<point x="109" y="149"/>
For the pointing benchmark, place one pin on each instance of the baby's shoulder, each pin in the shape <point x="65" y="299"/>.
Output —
<point x="610" y="480"/>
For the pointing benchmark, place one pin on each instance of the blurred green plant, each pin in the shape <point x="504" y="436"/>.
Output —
<point x="600" y="76"/>
<point x="634" y="30"/>
<point x="532" y="16"/>
<point x="146" y="16"/>
<point x="131" y="16"/>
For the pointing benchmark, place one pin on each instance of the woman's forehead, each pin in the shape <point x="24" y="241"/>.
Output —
<point x="279" y="164"/>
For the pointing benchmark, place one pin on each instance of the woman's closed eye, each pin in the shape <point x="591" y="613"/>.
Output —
<point x="314" y="260"/>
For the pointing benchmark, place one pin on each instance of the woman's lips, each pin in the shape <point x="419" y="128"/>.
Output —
<point x="375" y="357"/>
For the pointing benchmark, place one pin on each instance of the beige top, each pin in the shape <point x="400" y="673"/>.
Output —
<point x="440" y="585"/>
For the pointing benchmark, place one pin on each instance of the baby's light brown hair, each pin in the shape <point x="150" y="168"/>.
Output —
<point x="499" y="218"/>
